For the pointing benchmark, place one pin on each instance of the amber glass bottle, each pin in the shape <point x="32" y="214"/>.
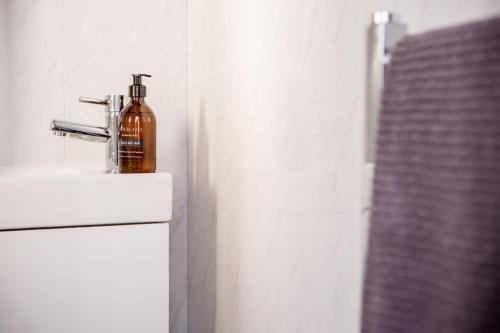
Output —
<point x="137" y="133"/>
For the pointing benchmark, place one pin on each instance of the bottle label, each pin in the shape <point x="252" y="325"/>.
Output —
<point x="130" y="154"/>
<point x="131" y="143"/>
<point x="131" y="149"/>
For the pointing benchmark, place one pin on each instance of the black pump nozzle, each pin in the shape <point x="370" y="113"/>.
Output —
<point x="137" y="89"/>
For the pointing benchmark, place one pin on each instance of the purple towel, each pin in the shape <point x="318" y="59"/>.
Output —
<point x="433" y="263"/>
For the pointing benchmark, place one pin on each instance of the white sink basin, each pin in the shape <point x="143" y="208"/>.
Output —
<point x="59" y="197"/>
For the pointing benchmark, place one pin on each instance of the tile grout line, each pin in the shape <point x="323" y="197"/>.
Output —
<point x="63" y="74"/>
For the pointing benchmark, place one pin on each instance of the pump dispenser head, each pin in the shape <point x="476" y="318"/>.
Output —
<point x="137" y="89"/>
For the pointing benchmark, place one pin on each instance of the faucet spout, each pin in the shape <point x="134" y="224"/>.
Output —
<point x="107" y="134"/>
<point x="80" y="131"/>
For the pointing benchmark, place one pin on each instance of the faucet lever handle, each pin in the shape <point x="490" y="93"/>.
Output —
<point x="92" y="100"/>
<point x="112" y="103"/>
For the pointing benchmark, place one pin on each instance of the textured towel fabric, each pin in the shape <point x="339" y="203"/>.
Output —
<point x="433" y="263"/>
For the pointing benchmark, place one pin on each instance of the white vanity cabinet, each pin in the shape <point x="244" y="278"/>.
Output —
<point x="88" y="280"/>
<point x="99" y="278"/>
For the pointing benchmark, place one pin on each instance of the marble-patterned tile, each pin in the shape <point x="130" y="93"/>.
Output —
<point x="275" y="123"/>
<point x="31" y="90"/>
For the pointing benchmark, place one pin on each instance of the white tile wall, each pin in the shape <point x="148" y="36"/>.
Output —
<point x="276" y="108"/>
<point x="32" y="86"/>
<point x="52" y="51"/>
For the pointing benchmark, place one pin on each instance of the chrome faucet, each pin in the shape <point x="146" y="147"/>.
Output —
<point x="107" y="134"/>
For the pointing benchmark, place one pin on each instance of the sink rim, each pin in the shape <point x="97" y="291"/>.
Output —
<point x="75" y="197"/>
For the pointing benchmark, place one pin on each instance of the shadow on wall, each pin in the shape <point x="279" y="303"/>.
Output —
<point x="202" y="236"/>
